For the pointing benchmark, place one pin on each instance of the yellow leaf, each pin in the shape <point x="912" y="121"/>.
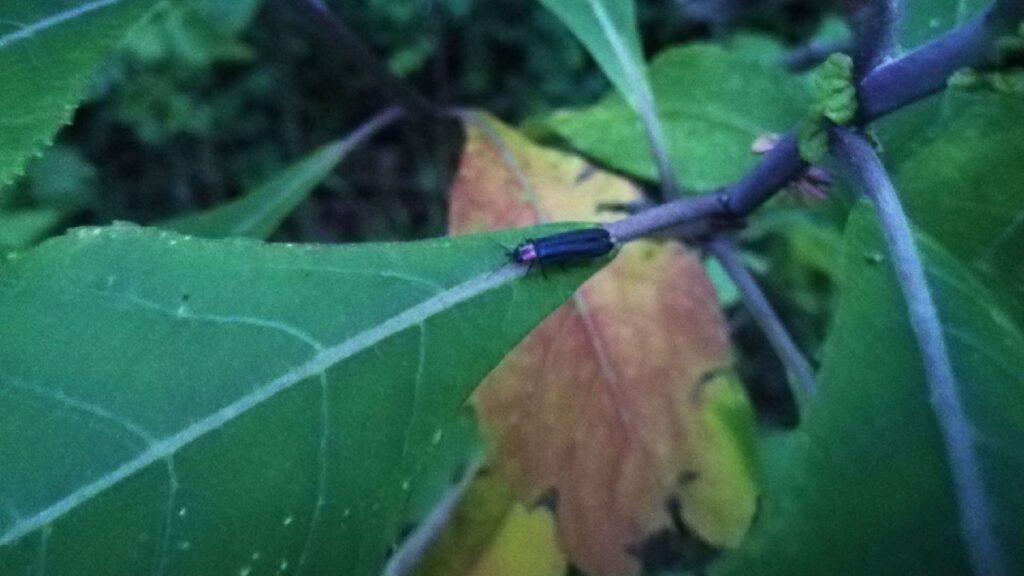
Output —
<point x="493" y="535"/>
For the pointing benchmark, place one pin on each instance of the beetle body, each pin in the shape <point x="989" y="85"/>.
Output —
<point x="564" y="247"/>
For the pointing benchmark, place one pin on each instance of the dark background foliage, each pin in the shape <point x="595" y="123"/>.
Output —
<point x="213" y="96"/>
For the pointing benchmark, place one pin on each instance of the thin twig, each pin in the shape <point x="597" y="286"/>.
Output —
<point x="668" y="215"/>
<point x="874" y="25"/>
<point x="331" y="28"/>
<point x="926" y="70"/>
<point x="885" y="89"/>
<point x="670" y="189"/>
<point x="975" y="508"/>
<point x="802" y="381"/>
<point x="369" y="128"/>
<point x="779" y="166"/>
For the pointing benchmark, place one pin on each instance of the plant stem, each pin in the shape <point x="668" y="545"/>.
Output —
<point x="801" y="374"/>
<point x="668" y="215"/>
<point x="874" y="25"/>
<point x="885" y="89"/>
<point x="926" y="70"/>
<point x="659" y="149"/>
<point x="777" y="167"/>
<point x="332" y="29"/>
<point x="975" y="509"/>
<point x="369" y="128"/>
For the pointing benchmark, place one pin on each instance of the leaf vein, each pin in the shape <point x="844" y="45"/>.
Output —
<point x="318" y="363"/>
<point x="321" y="481"/>
<point x="27" y="31"/>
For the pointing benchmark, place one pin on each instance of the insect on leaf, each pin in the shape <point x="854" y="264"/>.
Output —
<point x="183" y="406"/>
<point x="622" y="402"/>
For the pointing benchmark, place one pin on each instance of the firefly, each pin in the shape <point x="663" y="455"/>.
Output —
<point x="564" y="247"/>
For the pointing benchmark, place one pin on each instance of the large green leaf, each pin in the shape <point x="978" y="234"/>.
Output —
<point x="864" y="486"/>
<point x="964" y="185"/>
<point x="176" y="405"/>
<point x="714" y="104"/>
<point x="48" y="51"/>
<point x="260" y="212"/>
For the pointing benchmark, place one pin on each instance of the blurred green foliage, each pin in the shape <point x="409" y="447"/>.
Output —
<point x="213" y="96"/>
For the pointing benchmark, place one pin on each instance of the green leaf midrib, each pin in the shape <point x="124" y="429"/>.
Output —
<point x="318" y="364"/>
